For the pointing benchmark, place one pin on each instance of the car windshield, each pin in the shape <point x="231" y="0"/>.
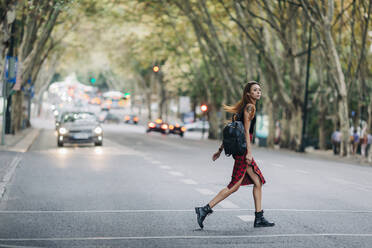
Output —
<point x="76" y="117"/>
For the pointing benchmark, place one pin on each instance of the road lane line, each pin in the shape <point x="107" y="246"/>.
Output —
<point x="227" y="204"/>
<point x="189" y="181"/>
<point x="346" y="182"/>
<point x="165" y="167"/>
<point x="176" y="173"/>
<point x="303" y="171"/>
<point x="278" y="165"/>
<point x="247" y="218"/>
<point x="176" y="210"/>
<point x="205" y="191"/>
<point x="289" y="235"/>
<point x="9" y="174"/>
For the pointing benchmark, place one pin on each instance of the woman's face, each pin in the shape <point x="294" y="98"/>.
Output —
<point x="255" y="92"/>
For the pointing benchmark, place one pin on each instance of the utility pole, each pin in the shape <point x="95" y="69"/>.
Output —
<point x="9" y="73"/>
<point x="304" y="106"/>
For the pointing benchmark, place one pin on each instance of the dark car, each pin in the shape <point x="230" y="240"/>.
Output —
<point x="177" y="129"/>
<point x="131" y="119"/>
<point x="79" y="127"/>
<point x="157" y="126"/>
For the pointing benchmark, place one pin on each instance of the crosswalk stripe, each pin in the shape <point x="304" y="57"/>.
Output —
<point x="227" y="204"/>
<point x="176" y="173"/>
<point x="188" y="181"/>
<point x="205" y="191"/>
<point x="246" y="218"/>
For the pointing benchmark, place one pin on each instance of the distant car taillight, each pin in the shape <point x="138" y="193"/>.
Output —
<point x="171" y="127"/>
<point x="135" y="119"/>
<point x="164" y="126"/>
<point x="151" y="125"/>
<point x="127" y="118"/>
<point x="183" y="129"/>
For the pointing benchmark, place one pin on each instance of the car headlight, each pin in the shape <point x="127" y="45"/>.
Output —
<point x="98" y="130"/>
<point x="62" y="130"/>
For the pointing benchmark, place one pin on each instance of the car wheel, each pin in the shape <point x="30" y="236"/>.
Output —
<point x="98" y="143"/>
<point x="60" y="144"/>
<point x="181" y="134"/>
<point x="148" y="130"/>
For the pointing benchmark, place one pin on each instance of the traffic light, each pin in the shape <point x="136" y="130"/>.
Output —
<point x="156" y="68"/>
<point x="93" y="80"/>
<point x="204" y="108"/>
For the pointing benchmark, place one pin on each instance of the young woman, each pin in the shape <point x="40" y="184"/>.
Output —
<point x="245" y="170"/>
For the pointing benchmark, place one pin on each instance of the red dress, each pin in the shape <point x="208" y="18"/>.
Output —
<point x="240" y="169"/>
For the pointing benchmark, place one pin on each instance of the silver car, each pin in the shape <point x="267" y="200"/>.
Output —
<point x="79" y="127"/>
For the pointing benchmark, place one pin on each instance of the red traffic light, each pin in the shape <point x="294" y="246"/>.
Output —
<point x="156" y="68"/>
<point x="204" y="108"/>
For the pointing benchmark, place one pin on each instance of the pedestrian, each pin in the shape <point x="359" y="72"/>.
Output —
<point x="245" y="169"/>
<point x="336" y="141"/>
<point x="355" y="141"/>
<point x="363" y="141"/>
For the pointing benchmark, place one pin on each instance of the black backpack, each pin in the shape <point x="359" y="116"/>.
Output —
<point x="234" y="141"/>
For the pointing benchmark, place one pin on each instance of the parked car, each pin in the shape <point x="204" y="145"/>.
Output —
<point x="177" y="129"/>
<point x="157" y="126"/>
<point x="79" y="127"/>
<point x="131" y="119"/>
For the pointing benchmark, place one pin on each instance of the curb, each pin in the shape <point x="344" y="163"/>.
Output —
<point x="24" y="144"/>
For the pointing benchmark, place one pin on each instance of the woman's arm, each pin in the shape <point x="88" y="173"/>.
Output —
<point x="250" y="110"/>
<point x="217" y="154"/>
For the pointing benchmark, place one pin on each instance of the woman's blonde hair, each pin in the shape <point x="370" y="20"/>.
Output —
<point x="238" y="107"/>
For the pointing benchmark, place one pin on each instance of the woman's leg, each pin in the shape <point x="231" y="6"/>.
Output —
<point x="257" y="189"/>
<point x="225" y="193"/>
<point x="259" y="220"/>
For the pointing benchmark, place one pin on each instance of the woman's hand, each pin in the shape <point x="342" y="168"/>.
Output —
<point x="216" y="156"/>
<point x="248" y="158"/>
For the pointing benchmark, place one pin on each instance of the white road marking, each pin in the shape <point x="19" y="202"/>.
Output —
<point x="155" y="161"/>
<point x="195" y="237"/>
<point x="303" y="171"/>
<point x="246" y="218"/>
<point x="179" y="210"/>
<point x="5" y="180"/>
<point x="176" y="173"/>
<point x="278" y="165"/>
<point x="165" y="167"/>
<point x="227" y="204"/>
<point x="345" y="182"/>
<point x="205" y="191"/>
<point x="188" y="181"/>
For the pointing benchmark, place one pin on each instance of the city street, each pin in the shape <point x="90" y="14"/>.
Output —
<point x="140" y="190"/>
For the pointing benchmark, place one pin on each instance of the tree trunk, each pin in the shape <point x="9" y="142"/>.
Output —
<point x="295" y="129"/>
<point x="269" y="109"/>
<point x="17" y="113"/>
<point x="214" y="122"/>
<point x="322" y="122"/>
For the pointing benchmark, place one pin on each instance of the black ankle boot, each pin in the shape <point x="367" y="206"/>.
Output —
<point x="260" y="220"/>
<point x="201" y="213"/>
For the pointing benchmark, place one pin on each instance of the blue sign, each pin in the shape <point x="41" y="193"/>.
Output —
<point x="8" y="77"/>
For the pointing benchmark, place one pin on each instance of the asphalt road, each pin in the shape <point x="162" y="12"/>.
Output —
<point x="140" y="190"/>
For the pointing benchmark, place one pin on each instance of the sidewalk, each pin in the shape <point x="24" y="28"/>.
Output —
<point x="328" y="154"/>
<point x="11" y="153"/>
<point x="325" y="154"/>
